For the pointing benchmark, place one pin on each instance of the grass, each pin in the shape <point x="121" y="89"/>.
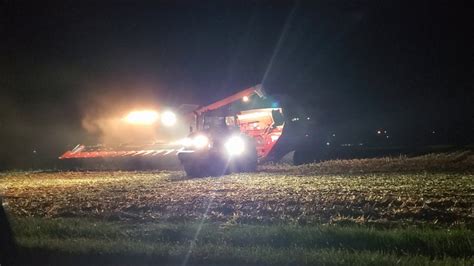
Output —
<point x="388" y="211"/>
<point x="143" y="243"/>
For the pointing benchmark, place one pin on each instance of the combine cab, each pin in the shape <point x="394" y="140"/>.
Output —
<point x="223" y="138"/>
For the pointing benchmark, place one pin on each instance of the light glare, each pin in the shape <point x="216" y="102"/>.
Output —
<point x="145" y="117"/>
<point x="235" y="145"/>
<point x="168" y="118"/>
<point x="186" y="142"/>
<point x="200" y="141"/>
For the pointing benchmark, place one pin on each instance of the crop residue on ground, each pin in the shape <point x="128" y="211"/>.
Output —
<point x="435" y="198"/>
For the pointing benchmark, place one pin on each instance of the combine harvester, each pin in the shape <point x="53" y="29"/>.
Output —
<point x="230" y="135"/>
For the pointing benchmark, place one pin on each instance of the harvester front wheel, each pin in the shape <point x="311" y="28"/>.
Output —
<point x="247" y="163"/>
<point x="192" y="170"/>
<point x="211" y="166"/>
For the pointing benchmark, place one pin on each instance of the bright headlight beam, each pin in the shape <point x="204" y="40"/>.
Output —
<point x="144" y="117"/>
<point x="168" y="118"/>
<point x="235" y="145"/>
<point x="200" y="141"/>
<point x="186" y="142"/>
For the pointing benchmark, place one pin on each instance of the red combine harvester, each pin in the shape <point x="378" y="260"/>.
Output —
<point x="223" y="138"/>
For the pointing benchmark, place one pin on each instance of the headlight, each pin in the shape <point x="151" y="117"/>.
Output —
<point x="168" y="118"/>
<point x="235" y="145"/>
<point x="200" y="141"/>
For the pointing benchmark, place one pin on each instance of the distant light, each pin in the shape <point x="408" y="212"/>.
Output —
<point x="333" y="134"/>
<point x="387" y="136"/>
<point x="328" y="143"/>
<point x="379" y="132"/>
<point x="434" y="132"/>
<point x="245" y="98"/>
<point x="385" y="131"/>
<point x="308" y="118"/>
<point x="361" y="144"/>
<point x="168" y="118"/>
<point x="144" y="117"/>
<point x="295" y="119"/>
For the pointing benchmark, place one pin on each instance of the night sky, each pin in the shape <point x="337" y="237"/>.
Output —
<point x="354" y="66"/>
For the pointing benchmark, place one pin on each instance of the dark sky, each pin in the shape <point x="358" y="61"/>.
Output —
<point x="366" y="64"/>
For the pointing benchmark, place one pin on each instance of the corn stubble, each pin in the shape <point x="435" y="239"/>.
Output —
<point x="300" y="195"/>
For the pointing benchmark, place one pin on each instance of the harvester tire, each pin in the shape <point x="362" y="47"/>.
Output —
<point x="192" y="170"/>
<point x="210" y="167"/>
<point x="250" y="164"/>
<point x="247" y="163"/>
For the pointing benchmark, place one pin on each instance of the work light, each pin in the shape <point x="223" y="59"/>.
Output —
<point x="143" y="117"/>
